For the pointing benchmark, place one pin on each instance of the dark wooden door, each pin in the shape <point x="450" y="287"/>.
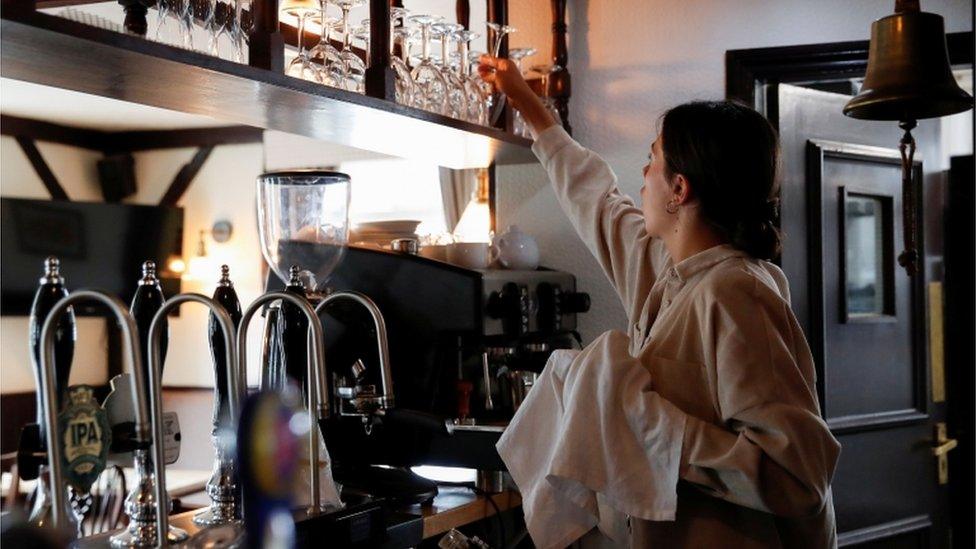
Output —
<point x="864" y="317"/>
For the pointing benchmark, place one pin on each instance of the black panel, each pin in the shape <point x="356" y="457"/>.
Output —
<point x="884" y="476"/>
<point x="100" y="246"/>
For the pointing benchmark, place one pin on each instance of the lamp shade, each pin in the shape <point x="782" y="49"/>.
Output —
<point x="908" y="75"/>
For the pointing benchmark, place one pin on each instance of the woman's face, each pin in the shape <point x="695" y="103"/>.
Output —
<point x="656" y="193"/>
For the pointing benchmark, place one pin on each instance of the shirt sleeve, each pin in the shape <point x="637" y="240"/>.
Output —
<point x="774" y="453"/>
<point x="608" y="222"/>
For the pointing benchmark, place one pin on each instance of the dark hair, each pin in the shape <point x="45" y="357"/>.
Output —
<point x="728" y="152"/>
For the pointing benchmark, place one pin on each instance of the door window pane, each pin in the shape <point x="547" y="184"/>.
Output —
<point x="864" y="240"/>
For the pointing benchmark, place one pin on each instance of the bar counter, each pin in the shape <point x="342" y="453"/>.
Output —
<point x="407" y="526"/>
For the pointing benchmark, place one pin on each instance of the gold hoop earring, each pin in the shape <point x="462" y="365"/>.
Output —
<point x="671" y="207"/>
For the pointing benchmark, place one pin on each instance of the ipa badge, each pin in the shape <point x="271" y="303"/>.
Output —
<point x="86" y="436"/>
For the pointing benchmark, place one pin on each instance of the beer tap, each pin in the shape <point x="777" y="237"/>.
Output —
<point x="318" y="396"/>
<point x="31" y="451"/>
<point x="141" y="505"/>
<point x="49" y="388"/>
<point x="222" y="486"/>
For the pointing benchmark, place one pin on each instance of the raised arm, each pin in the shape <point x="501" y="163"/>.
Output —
<point x="608" y="221"/>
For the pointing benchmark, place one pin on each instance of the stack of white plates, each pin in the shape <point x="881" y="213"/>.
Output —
<point x="381" y="233"/>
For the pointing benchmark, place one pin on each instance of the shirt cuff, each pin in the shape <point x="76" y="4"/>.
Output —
<point x="549" y="142"/>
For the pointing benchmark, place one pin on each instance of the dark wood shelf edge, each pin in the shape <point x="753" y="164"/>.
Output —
<point x="49" y="50"/>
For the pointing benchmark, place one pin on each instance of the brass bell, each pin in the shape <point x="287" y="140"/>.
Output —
<point x="908" y="75"/>
<point x="908" y="79"/>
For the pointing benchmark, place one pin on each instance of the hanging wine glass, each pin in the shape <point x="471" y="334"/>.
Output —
<point x="354" y="69"/>
<point x="457" y="99"/>
<point x="519" y="127"/>
<point x="401" y="35"/>
<point x="214" y="25"/>
<point x="497" y="102"/>
<point x="485" y="90"/>
<point x="476" y="98"/>
<point x="325" y="53"/>
<point x="241" y="27"/>
<point x="186" y="23"/>
<point x="499" y="32"/>
<point x="301" y="66"/>
<point x="431" y="85"/>
<point x="167" y="11"/>
<point x="545" y="70"/>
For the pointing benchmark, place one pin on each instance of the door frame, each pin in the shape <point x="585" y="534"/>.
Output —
<point x="748" y="71"/>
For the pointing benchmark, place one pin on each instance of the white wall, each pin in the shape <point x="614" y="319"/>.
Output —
<point x="632" y="59"/>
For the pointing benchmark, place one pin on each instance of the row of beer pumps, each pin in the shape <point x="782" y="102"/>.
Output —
<point x="75" y="436"/>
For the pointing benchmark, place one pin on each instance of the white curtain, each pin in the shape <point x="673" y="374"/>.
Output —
<point x="457" y="189"/>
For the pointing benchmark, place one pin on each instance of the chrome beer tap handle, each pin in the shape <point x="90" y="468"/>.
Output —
<point x="130" y="336"/>
<point x="224" y="507"/>
<point x="386" y="400"/>
<point x="318" y="395"/>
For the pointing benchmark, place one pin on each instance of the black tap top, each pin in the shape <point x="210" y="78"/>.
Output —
<point x="145" y="304"/>
<point x="226" y="296"/>
<point x="49" y="292"/>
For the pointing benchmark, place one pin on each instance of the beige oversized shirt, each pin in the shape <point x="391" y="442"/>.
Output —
<point x="721" y="343"/>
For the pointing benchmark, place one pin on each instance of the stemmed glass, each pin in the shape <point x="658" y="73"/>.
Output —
<point x="326" y="53"/>
<point x="475" y="92"/>
<point x="497" y="101"/>
<point x="216" y="25"/>
<point x="457" y="100"/>
<point x="186" y="23"/>
<point x="545" y="70"/>
<point x="432" y="87"/>
<point x="517" y="55"/>
<point x="404" y="82"/>
<point x="241" y="29"/>
<point x="166" y="10"/>
<point x="354" y="69"/>
<point x="301" y="66"/>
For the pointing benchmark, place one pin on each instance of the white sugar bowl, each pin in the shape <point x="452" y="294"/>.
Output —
<point x="516" y="250"/>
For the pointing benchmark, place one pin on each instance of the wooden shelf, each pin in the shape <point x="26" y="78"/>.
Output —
<point x="48" y="50"/>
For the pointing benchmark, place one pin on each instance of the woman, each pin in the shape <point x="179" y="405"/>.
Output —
<point x="709" y="318"/>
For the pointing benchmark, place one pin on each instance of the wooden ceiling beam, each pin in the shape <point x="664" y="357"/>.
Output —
<point x="127" y="141"/>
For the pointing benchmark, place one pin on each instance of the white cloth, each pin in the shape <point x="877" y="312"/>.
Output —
<point x="328" y="489"/>
<point x="593" y="442"/>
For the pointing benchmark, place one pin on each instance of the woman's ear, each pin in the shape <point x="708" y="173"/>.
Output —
<point x="681" y="190"/>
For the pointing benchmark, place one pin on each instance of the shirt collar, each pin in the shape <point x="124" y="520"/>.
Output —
<point x="703" y="260"/>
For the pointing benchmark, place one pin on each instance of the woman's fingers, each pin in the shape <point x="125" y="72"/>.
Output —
<point x="487" y="73"/>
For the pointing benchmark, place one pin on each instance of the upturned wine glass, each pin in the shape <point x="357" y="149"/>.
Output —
<point x="519" y="126"/>
<point x="431" y="84"/>
<point x="186" y="23"/>
<point x="545" y="70"/>
<point x="167" y="11"/>
<point x="354" y="69"/>
<point x="401" y="35"/>
<point x="326" y="54"/>
<point x="498" y="34"/>
<point x="457" y="99"/>
<point x="242" y="25"/>
<point x="301" y="66"/>
<point x="475" y="92"/>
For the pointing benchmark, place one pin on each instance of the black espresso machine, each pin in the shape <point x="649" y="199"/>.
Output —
<point x="465" y="345"/>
